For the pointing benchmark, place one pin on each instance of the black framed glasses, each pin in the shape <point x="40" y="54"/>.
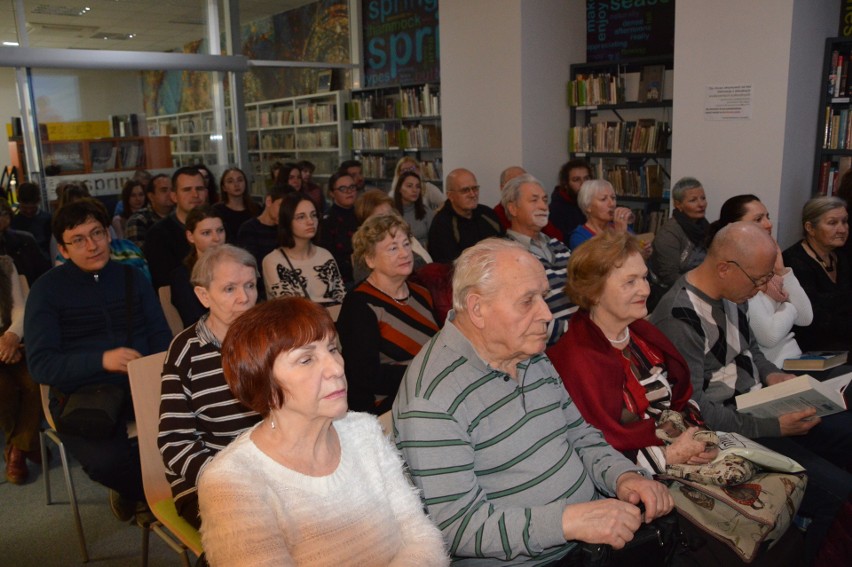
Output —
<point x="97" y="235"/>
<point x="467" y="190"/>
<point x="347" y="188"/>
<point x="759" y="282"/>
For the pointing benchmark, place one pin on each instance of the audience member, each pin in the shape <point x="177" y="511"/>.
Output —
<point x="354" y="169"/>
<point x="209" y="183"/>
<point x="565" y="213"/>
<point x="825" y="275"/>
<point x="165" y="243"/>
<point x="339" y="223"/>
<point x="311" y="484"/>
<point x="525" y="201"/>
<point x="31" y="218"/>
<point x="507" y="175"/>
<point x="159" y="205"/>
<point x="510" y="471"/>
<point x="384" y="320"/>
<point x="82" y="341"/>
<point x="309" y="187"/>
<point x="297" y="266"/>
<point x="408" y="201"/>
<point x="433" y="198"/>
<point x="21" y="247"/>
<point x="20" y="400"/>
<point x="198" y="413"/>
<point x="462" y="221"/>
<point x="236" y="206"/>
<point x="679" y="245"/>
<point x="290" y="174"/>
<point x="204" y="230"/>
<point x="260" y="234"/>
<point x="701" y="317"/>
<point x="771" y="312"/>
<point x="597" y="201"/>
<point x="133" y="200"/>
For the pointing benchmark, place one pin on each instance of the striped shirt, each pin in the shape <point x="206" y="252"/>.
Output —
<point x="498" y="459"/>
<point x="379" y="336"/>
<point x="198" y="414"/>
<point x="553" y="256"/>
<point x="724" y="359"/>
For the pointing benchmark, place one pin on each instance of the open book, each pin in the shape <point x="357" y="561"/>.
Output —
<point x="795" y="395"/>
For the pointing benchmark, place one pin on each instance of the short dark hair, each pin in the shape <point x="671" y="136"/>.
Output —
<point x="29" y="193"/>
<point x="285" y="217"/>
<point x="76" y="213"/>
<point x="334" y="178"/>
<point x="186" y="170"/>
<point x="279" y="190"/>
<point x="349" y="163"/>
<point x="256" y="339"/>
<point x="306" y="165"/>
<point x="150" y="187"/>
<point x="566" y="168"/>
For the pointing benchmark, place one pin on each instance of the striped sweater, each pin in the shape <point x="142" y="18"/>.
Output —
<point x="198" y="414"/>
<point x="379" y="336"/>
<point x="553" y="256"/>
<point x="724" y="359"/>
<point x="498" y="459"/>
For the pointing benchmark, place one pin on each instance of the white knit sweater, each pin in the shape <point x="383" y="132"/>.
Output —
<point x="772" y="321"/>
<point x="256" y="512"/>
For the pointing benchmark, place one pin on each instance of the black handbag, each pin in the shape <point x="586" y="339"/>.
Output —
<point x="653" y="545"/>
<point x="93" y="411"/>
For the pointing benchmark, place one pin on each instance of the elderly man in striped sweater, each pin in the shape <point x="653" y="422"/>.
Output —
<point x="525" y="202"/>
<point x="510" y="471"/>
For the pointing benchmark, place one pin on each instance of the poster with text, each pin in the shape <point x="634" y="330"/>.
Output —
<point x="627" y="29"/>
<point x="400" y="42"/>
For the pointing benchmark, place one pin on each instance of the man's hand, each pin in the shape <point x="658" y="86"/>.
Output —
<point x="116" y="360"/>
<point x="9" y="348"/>
<point x="798" y="422"/>
<point x="606" y="521"/>
<point x="778" y="377"/>
<point x="634" y="488"/>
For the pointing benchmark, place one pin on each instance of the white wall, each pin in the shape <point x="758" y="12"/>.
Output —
<point x="504" y="67"/>
<point x="729" y="42"/>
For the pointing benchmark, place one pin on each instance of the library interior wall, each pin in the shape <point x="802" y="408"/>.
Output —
<point x="729" y="42"/>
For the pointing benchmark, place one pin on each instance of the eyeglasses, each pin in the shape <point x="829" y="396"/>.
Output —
<point x="346" y="188"/>
<point x="759" y="282"/>
<point x="78" y="242"/>
<point x="467" y="190"/>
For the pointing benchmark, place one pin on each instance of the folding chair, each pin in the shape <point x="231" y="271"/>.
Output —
<point x="169" y="310"/>
<point x="145" y="377"/>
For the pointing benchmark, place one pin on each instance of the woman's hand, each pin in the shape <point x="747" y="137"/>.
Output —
<point x="10" y="352"/>
<point x="622" y="218"/>
<point x="686" y="450"/>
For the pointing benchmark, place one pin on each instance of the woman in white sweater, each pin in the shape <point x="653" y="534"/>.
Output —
<point x="773" y="312"/>
<point x="311" y="484"/>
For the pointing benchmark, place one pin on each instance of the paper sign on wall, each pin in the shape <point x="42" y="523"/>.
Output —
<point x="727" y="102"/>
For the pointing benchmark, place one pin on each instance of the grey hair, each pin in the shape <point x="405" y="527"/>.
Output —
<point x="588" y="190"/>
<point x="683" y="185"/>
<point x="818" y="206"/>
<point x="202" y="272"/>
<point x="474" y="269"/>
<point x="511" y="191"/>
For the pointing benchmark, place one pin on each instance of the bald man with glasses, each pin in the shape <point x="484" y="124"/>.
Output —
<point x="462" y="221"/>
<point x="703" y="314"/>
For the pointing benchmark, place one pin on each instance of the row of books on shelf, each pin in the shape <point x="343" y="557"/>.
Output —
<point x="272" y="117"/>
<point x="377" y="167"/>
<point x="838" y="129"/>
<point x="419" y="136"/>
<point x="123" y="125"/>
<point x="590" y="90"/>
<point x="317" y="140"/>
<point x="162" y="128"/>
<point x="830" y="174"/>
<point x="274" y="141"/>
<point x="646" y="136"/>
<point x="645" y="181"/>
<point x="839" y="84"/>
<point x="408" y="103"/>
<point x="317" y="113"/>
<point x="200" y="144"/>
<point x="648" y="221"/>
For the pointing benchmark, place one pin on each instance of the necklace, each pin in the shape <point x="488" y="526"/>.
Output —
<point x="400" y="301"/>
<point x="828" y="267"/>
<point x="623" y="340"/>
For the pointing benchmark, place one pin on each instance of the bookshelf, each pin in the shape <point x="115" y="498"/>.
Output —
<point x="621" y="123"/>
<point x="834" y="123"/>
<point x="389" y="122"/>
<point x="192" y="136"/>
<point x="306" y="127"/>
<point x="100" y="155"/>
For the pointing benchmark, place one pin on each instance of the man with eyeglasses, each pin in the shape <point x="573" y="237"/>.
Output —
<point x="704" y="315"/>
<point x="462" y="221"/>
<point x="84" y="321"/>
<point x="339" y="223"/>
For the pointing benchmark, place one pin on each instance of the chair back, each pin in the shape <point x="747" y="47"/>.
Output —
<point x="45" y="405"/>
<point x="170" y="311"/>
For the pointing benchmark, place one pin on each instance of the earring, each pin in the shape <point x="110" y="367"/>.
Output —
<point x="272" y="421"/>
